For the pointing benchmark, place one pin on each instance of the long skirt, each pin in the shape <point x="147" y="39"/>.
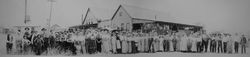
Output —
<point x="113" y="46"/>
<point x="129" y="47"/>
<point x="161" y="45"/>
<point x="83" y="49"/>
<point x="124" y="46"/>
<point x="189" y="45"/>
<point x="171" y="48"/>
<point x="139" y="45"/>
<point x="194" y="48"/>
<point x="19" y="46"/>
<point x="230" y="47"/>
<point x="142" y="45"/>
<point x="155" y="43"/>
<point x="146" y="47"/>
<point x="91" y="46"/>
<point x="105" y="46"/>
<point x="133" y="45"/>
<point x="183" y="44"/>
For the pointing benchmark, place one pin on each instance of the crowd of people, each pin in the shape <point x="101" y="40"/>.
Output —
<point x="92" y="41"/>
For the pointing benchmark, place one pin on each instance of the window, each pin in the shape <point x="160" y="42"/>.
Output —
<point x="122" y="26"/>
<point x="120" y="14"/>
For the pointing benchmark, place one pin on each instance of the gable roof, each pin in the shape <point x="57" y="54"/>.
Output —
<point x="148" y="14"/>
<point x="102" y="13"/>
<point x="99" y="13"/>
<point x="143" y="13"/>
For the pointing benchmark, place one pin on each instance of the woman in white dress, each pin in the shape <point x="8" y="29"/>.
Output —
<point x="124" y="43"/>
<point x="155" y="43"/>
<point x="129" y="44"/>
<point x="193" y="37"/>
<point x="113" y="41"/>
<point x="161" y="39"/>
<point x="139" y="43"/>
<point x="105" y="40"/>
<point x="83" y="44"/>
<point x="189" y="43"/>
<point x="145" y="41"/>
<point x="183" y="43"/>
<point x="171" y="48"/>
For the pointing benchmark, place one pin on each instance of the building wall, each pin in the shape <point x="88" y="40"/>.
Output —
<point x="122" y="20"/>
<point x="104" y="24"/>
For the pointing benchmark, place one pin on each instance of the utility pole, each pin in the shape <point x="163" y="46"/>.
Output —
<point x="25" y="12"/>
<point x="50" y="14"/>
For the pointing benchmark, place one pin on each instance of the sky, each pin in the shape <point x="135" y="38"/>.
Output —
<point x="215" y="15"/>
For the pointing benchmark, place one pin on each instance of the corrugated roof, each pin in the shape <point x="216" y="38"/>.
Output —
<point x="143" y="13"/>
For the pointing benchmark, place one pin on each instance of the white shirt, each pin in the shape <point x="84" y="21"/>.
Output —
<point x="225" y="39"/>
<point x="236" y="38"/>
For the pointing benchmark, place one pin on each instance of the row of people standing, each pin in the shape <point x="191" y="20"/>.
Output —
<point x="124" y="42"/>
<point x="103" y="41"/>
<point x="227" y="43"/>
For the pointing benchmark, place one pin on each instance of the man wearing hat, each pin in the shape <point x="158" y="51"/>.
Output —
<point x="26" y="40"/>
<point x="9" y="42"/>
<point x="243" y="44"/>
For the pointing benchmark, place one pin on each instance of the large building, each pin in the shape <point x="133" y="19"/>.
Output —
<point x="133" y="18"/>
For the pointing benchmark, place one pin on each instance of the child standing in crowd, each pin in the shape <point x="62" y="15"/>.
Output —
<point x="9" y="43"/>
<point x="18" y="41"/>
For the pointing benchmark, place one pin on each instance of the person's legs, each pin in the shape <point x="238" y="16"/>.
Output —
<point x="202" y="45"/>
<point x="236" y="47"/>
<point x="174" y="45"/>
<point x="219" y="46"/>
<point x="168" y="45"/>
<point x="244" y="48"/>
<point x="215" y="45"/>
<point x="206" y="45"/>
<point x="149" y="45"/>
<point x="164" y="45"/>
<point x="211" y="46"/>
<point x="197" y="47"/>
<point x="224" y="47"/>
<point x="8" y="48"/>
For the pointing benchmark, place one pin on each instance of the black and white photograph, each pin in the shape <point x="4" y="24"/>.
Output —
<point x="125" y="28"/>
